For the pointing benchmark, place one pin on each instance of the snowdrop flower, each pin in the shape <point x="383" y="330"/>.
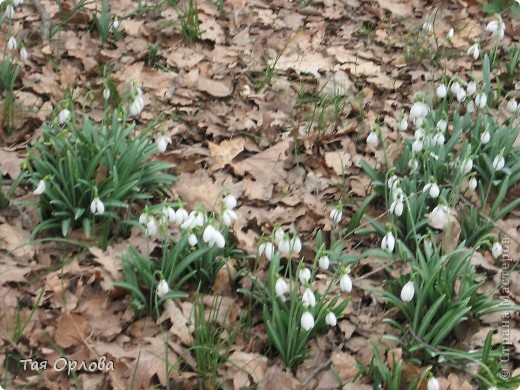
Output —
<point x="281" y="288"/>
<point x="115" y="24"/>
<point x="433" y="189"/>
<point x="417" y="145"/>
<point x="162" y="143"/>
<point x="403" y="124"/>
<point x="397" y="206"/>
<point x="461" y="95"/>
<point x="16" y="3"/>
<point x="181" y="216"/>
<point x="266" y="248"/>
<point x="9" y="11"/>
<point x="162" y="288"/>
<point x="450" y="34"/>
<point x="470" y="106"/>
<point x="388" y="242"/>
<point x="336" y="215"/>
<point x="427" y="26"/>
<point x="413" y="164"/>
<point x="345" y="283"/>
<point x="442" y="125"/>
<point x="304" y="275"/>
<point x="441" y="91"/>
<point x="419" y="110"/>
<point x="481" y="100"/>
<point x="496" y="28"/>
<point x="497" y="250"/>
<point x="408" y="292"/>
<point x="393" y="181"/>
<point x="455" y="88"/>
<point x="23" y="54"/>
<point x="433" y="384"/>
<point x="440" y="217"/>
<point x="136" y="106"/>
<point x="279" y="235"/>
<point x="330" y="319"/>
<point x="229" y="217"/>
<point x="106" y="93"/>
<point x="512" y="106"/>
<point x="324" y="263"/>
<point x="439" y="139"/>
<point x="284" y="246"/>
<point x="151" y="227"/>
<point x="230" y="201"/>
<point x="296" y="245"/>
<point x="307" y="321"/>
<point x="372" y="138"/>
<point x="192" y="239"/>
<point x="168" y="214"/>
<point x="472" y="88"/>
<point x="97" y="206"/>
<point x="12" y="44"/>
<point x="40" y="189"/>
<point x="472" y="184"/>
<point x="308" y="298"/>
<point x="499" y="162"/>
<point x="64" y="116"/>
<point x="466" y="165"/>
<point x="485" y="137"/>
<point x="474" y="51"/>
<point x="213" y="237"/>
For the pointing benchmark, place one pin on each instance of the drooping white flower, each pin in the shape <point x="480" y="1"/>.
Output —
<point x="408" y="292"/>
<point x="397" y="207"/>
<point x="168" y="214"/>
<point x="137" y="105"/>
<point x="336" y="215"/>
<point x="498" y="163"/>
<point x="308" y="298"/>
<point x="40" y="189"/>
<point x="324" y="263"/>
<point x="455" y="88"/>
<point x="151" y="227"/>
<point x="461" y="95"/>
<point x="485" y="137"/>
<point x="12" y="44"/>
<point x="419" y="110"/>
<point x="192" y="239"/>
<point x="24" y="55"/>
<point x="284" y="246"/>
<point x="427" y="26"/>
<point x="433" y="384"/>
<point x="441" y="91"/>
<point x="162" y="143"/>
<point x="229" y="216"/>
<point x="181" y="215"/>
<point x="97" y="206"/>
<point x="440" y="217"/>
<point x="106" y="93"/>
<point x="162" y="288"/>
<point x="9" y="11"/>
<point x="115" y="24"/>
<point x="481" y="100"/>
<point x="268" y="249"/>
<point x="474" y="51"/>
<point x="281" y="288"/>
<point x="392" y="182"/>
<point x="213" y="237"/>
<point x="497" y="250"/>
<point x="345" y="283"/>
<point x="307" y="321"/>
<point x="512" y="106"/>
<point x="279" y="235"/>
<point x="64" y="116"/>
<point x="433" y="189"/>
<point x="296" y="245"/>
<point x="372" y="138"/>
<point x="438" y="139"/>
<point x="472" y="184"/>
<point x="403" y="124"/>
<point x="413" y="164"/>
<point x="388" y="242"/>
<point x="472" y="88"/>
<point x="467" y="165"/>
<point x="230" y="201"/>
<point x="450" y="34"/>
<point x="304" y="275"/>
<point x="496" y="28"/>
<point x="330" y="319"/>
<point x="470" y="105"/>
<point x="442" y="125"/>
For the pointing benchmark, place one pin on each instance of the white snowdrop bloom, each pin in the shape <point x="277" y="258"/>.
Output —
<point x="413" y="164"/>
<point x="433" y="190"/>
<point x="485" y="137"/>
<point x="304" y="275"/>
<point x="466" y="165"/>
<point x="162" y="288"/>
<point x="418" y="122"/>
<point x="403" y="124"/>
<point x="372" y="138"/>
<point x="268" y="249"/>
<point x="336" y="215"/>
<point x="97" y="206"/>
<point x="512" y="106"/>
<point x="439" y="139"/>
<point x="40" y="189"/>
<point x="279" y="235"/>
<point x="429" y="141"/>
<point x="450" y="34"/>
<point x="106" y="93"/>
<point x="408" y="292"/>
<point x="440" y="217"/>
<point x="230" y="201"/>
<point x="433" y="384"/>
<point x="461" y="95"/>
<point x="417" y="145"/>
<point x="427" y="26"/>
<point x="16" y="3"/>
<point x="472" y="88"/>
<point x="9" y="11"/>
<point x="137" y="105"/>
<point x="441" y="91"/>
<point x="64" y="116"/>
<point x="281" y="288"/>
<point x="308" y="298"/>
<point x="162" y="143"/>
<point x="324" y="263"/>
<point x="455" y="88"/>
<point x="24" y="55"/>
<point x="481" y="100"/>
<point x="181" y="216"/>
<point x="472" y="184"/>
<point x="497" y="250"/>
<point x="393" y="181"/>
<point x="169" y="214"/>
<point x="307" y="321"/>
<point x="419" y="110"/>
<point x="434" y="156"/>
<point x="330" y="319"/>
<point x="208" y="234"/>
<point x="115" y="24"/>
<point x="496" y="28"/>
<point x="189" y="223"/>
<point x="151" y="227"/>
<point x="229" y="217"/>
<point x="144" y="218"/>
<point x="345" y="283"/>
<point x="199" y="217"/>
<point x="284" y="246"/>
<point x="397" y="207"/>
<point x="388" y="242"/>
<point x="296" y="245"/>
<point x="474" y="51"/>
<point x="213" y="237"/>
<point x="470" y="105"/>
<point x="12" y="44"/>
<point x="499" y="162"/>
<point x="192" y="239"/>
<point x="442" y="125"/>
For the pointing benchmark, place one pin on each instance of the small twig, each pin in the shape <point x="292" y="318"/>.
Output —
<point x="46" y="22"/>
<point x="316" y="371"/>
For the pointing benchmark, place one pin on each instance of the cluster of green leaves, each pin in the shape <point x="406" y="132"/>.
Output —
<point x="81" y="162"/>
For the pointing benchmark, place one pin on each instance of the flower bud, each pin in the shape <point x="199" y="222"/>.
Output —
<point x="307" y="321"/>
<point x="408" y="292"/>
